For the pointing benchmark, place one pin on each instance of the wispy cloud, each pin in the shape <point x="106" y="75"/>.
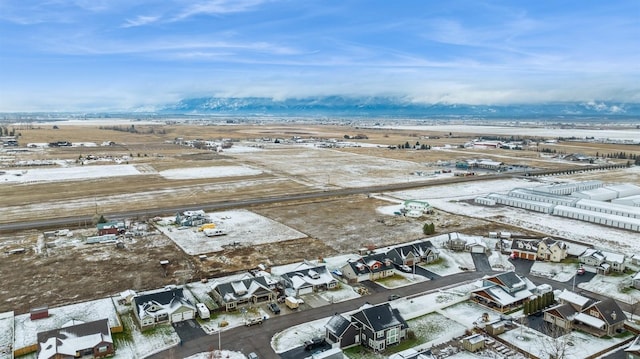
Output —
<point x="140" y="21"/>
<point x="218" y="7"/>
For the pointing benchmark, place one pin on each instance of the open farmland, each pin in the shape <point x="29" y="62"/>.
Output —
<point x="147" y="170"/>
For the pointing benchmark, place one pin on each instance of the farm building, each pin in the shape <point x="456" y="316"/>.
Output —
<point x="598" y="194"/>
<point x="609" y="208"/>
<point x="633" y="201"/>
<point x="521" y="203"/>
<point x="610" y="220"/>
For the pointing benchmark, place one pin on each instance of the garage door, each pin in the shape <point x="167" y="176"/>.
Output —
<point x="531" y="257"/>
<point x="176" y="317"/>
<point x="187" y="315"/>
<point x="477" y="249"/>
<point x="306" y="290"/>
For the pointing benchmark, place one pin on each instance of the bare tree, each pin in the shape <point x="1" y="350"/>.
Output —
<point x="557" y="344"/>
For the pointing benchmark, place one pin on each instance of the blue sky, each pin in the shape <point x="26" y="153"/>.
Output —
<point x="98" y="55"/>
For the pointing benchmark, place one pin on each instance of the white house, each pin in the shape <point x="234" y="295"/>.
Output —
<point x="167" y="306"/>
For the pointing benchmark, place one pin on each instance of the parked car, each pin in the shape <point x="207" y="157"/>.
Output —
<point x="253" y="321"/>
<point x="581" y="271"/>
<point x="393" y="297"/>
<point x="252" y="355"/>
<point x="313" y="343"/>
<point x="405" y="268"/>
<point x="273" y="307"/>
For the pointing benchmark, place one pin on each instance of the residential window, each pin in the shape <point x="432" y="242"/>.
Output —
<point x="392" y="336"/>
<point x="103" y="349"/>
<point x="379" y="335"/>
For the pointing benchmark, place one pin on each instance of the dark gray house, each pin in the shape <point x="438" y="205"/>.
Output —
<point x="339" y="330"/>
<point x="92" y="339"/>
<point x="380" y="326"/>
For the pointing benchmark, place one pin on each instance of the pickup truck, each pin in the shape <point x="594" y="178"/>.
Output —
<point x="252" y="321"/>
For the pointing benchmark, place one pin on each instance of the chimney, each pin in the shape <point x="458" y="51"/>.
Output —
<point x="614" y="315"/>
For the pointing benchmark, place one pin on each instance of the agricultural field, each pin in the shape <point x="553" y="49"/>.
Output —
<point x="145" y="165"/>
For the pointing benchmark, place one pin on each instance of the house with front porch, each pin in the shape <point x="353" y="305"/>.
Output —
<point x="413" y="253"/>
<point x="575" y="311"/>
<point x="165" y="306"/>
<point x="370" y="267"/>
<point x="247" y="290"/>
<point x="503" y="292"/>
<point x="552" y="250"/>
<point x="307" y="278"/>
<point x="603" y="261"/>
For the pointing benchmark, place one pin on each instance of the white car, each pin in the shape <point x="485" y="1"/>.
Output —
<point x="405" y="268"/>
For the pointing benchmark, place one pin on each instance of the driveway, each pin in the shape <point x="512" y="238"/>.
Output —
<point x="300" y="353"/>
<point x="188" y="330"/>
<point x="481" y="261"/>
<point x="426" y="273"/>
<point x="522" y="266"/>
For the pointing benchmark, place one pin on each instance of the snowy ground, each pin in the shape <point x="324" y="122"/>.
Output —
<point x="435" y="329"/>
<point x="297" y="335"/>
<point x="453" y="198"/>
<point x="560" y="272"/>
<point x="242" y="228"/>
<point x="26" y="329"/>
<point x="143" y="344"/>
<point x="209" y="172"/>
<point x="67" y="173"/>
<point x="450" y="263"/>
<point x="614" y="286"/>
<point x="6" y="335"/>
<point x="582" y="345"/>
<point x="218" y="354"/>
<point x="401" y="279"/>
<point x="228" y="320"/>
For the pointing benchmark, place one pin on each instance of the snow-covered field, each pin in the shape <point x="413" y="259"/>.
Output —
<point x="209" y="172"/>
<point x="6" y="335"/>
<point x="242" y="228"/>
<point x="26" y="329"/>
<point x="67" y="173"/>
<point x="144" y="344"/>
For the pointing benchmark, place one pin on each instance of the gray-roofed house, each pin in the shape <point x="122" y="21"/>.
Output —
<point x="601" y="318"/>
<point x="308" y="278"/>
<point x="167" y="306"/>
<point x="413" y="253"/>
<point x="525" y="248"/>
<point x="603" y="261"/>
<point x="380" y="326"/>
<point x="371" y="267"/>
<point x="92" y="339"/>
<point x="633" y="350"/>
<point x="339" y="330"/>
<point x="560" y="315"/>
<point x="503" y="292"/>
<point x="455" y="242"/>
<point x="237" y="292"/>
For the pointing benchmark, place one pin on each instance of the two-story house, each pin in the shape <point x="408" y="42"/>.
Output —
<point x="370" y="267"/>
<point x="552" y="250"/>
<point x="603" y="261"/>
<point x="375" y="327"/>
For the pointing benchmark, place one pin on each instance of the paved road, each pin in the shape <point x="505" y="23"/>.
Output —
<point x="257" y="338"/>
<point x="481" y="262"/>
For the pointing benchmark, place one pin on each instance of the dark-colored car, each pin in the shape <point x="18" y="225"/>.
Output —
<point x="313" y="343"/>
<point x="273" y="307"/>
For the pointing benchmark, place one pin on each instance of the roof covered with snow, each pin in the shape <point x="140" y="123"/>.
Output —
<point x="70" y="340"/>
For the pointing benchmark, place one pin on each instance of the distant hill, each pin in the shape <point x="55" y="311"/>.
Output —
<point x="393" y="107"/>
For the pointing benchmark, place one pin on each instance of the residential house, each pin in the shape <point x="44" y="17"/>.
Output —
<point x="308" y="278"/>
<point x="371" y="267"/>
<point x="635" y="281"/>
<point x="503" y="292"/>
<point x="380" y="326"/>
<point x="88" y="340"/>
<point x="110" y="228"/>
<point x="603" y="261"/>
<point x="552" y="250"/>
<point x="246" y="290"/>
<point x="342" y="332"/>
<point x="473" y="343"/>
<point x="475" y="245"/>
<point x="414" y="208"/>
<point x="633" y="350"/>
<point x="413" y="253"/>
<point x="601" y="318"/>
<point x="455" y="242"/>
<point x="166" y="306"/>
<point x="525" y="248"/>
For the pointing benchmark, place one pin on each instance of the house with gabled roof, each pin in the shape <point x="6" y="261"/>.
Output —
<point x="92" y="339"/>
<point x="601" y="318"/>
<point x="380" y="326"/>
<point x="633" y="350"/>
<point x="560" y="315"/>
<point x="234" y="293"/>
<point x="166" y="306"/>
<point x="575" y="300"/>
<point x="552" y="250"/>
<point x="503" y="292"/>
<point x="525" y="248"/>
<point x="603" y="261"/>
<point x="307" y="278"/>
<point x="370" y="267"/>
<point x="413" y="253"/>
<point x="342" y="332"/>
